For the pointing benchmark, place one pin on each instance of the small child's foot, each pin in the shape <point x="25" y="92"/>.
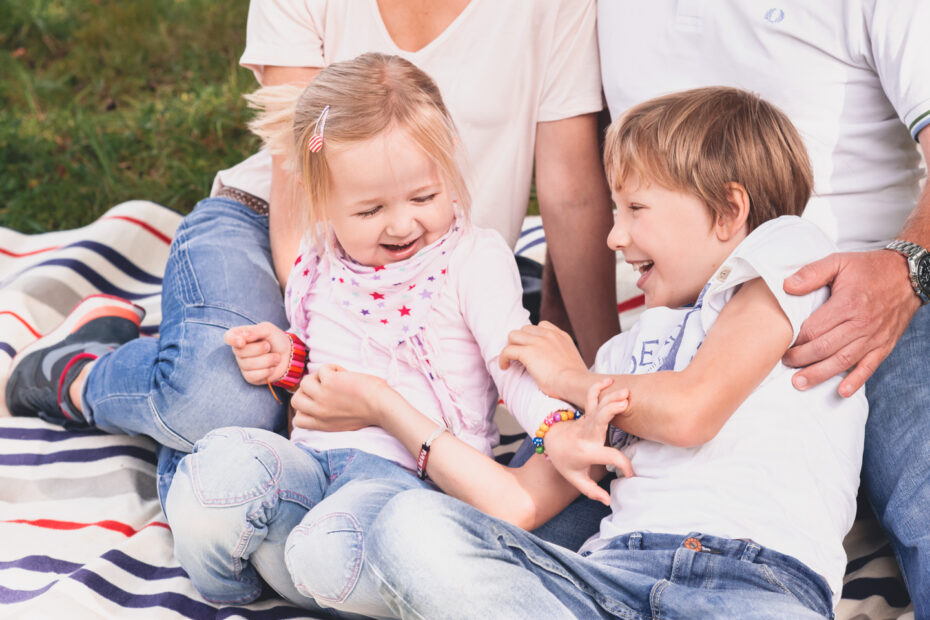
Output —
<point x="42" y="372"/>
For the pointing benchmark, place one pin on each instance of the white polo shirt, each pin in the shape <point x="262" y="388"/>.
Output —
<point x="851" y="74"/>
<point x="502" y="67"/>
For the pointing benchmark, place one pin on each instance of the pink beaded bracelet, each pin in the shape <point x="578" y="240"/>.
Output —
<point x="559" y="415"/>
<point x="297" y="366"/>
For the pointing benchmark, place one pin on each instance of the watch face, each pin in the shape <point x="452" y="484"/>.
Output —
<point x="923" y="273"/>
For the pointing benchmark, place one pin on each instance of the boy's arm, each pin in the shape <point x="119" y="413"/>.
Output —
<point x="687" y="407"/>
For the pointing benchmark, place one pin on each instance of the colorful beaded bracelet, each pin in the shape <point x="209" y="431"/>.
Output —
<point x="297" y="367"/>
<point x="559" y="415"/>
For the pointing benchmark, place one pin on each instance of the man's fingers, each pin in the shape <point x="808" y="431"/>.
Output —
<point x="841" y="361"/>
<point x="812" y="276"/>
<point x="820" y="346"/>
<point x="861" y="373"/>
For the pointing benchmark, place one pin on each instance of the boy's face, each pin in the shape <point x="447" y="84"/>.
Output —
<point x="387" y="199"/>
<point x="668" y="236"/>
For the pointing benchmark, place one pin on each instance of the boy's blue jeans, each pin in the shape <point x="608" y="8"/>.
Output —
<point x="436" y="557"/>
<point x="249" y="503"/>
<point x="183" y="384"/>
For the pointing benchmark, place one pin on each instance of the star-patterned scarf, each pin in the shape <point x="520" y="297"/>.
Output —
<point x="391" y="303"/>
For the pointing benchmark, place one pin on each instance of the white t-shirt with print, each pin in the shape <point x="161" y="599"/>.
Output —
<point x="851" y="74"/>
<point x="784" y="469"/>
<point x="502" y="67"/>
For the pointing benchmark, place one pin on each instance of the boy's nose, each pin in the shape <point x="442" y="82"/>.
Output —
<point x="619" y="236"/>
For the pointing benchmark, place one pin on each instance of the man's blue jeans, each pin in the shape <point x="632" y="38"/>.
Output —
<point x="436" y="557"/>
<point x="249" y="503"/>
<point x="179" y="386"/>
<point x="896" y="465"/>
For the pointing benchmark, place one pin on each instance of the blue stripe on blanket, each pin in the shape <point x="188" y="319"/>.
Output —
<point x="45" y="434"/>
<point x="9" y="595"/>
<point x="78" y="456"/>
<point x="890" y="588"/>
<point x="99" y="282"/>
<point x="6" y="348"/>
<point x="141" y="569"/>
<point x="42" y="564"/>
<point x="114" y="257"/>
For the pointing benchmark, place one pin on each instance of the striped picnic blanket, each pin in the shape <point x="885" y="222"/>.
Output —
<point x="82" y="531"/>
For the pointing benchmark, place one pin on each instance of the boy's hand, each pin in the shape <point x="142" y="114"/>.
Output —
<point x="577" y="447"/>
<point x="262" y="351"/>
<point x="333" y="399"/>
<point x="548" y="354"/>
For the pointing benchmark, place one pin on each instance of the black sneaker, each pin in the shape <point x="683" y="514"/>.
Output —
<point x="42" y="372"/>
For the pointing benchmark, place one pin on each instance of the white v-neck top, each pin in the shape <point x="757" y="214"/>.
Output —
<point x="502" y="67"/>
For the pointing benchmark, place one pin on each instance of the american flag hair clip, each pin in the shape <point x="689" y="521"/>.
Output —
<point x="315" y="143"/>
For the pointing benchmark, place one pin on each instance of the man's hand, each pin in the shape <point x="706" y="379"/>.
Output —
<point x="262" y="351"/>
<point x="871" y="303"/>
<point x="548" y="354"/>
<point x="577" y="447"/>
<point x="333" y="399"/>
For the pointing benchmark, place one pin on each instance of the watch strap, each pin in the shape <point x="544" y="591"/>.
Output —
<point x="913" y="252"/>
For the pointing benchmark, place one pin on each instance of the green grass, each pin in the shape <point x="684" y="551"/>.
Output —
<point x="104" y="101"/>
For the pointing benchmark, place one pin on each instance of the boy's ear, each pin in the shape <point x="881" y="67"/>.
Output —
<point x="734" y="220"/>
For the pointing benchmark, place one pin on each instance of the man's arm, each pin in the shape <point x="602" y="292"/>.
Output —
<point x="870" y="305"/>
<point x="283" y="228"/>
<point x="575" y="206"/>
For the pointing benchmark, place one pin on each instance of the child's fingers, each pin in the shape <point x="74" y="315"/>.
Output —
<point x="234" y="336"/>
<point x="590" y="488"/>
<point x="508" y="355"/>
<point x="253" y="349"/>
<point x="268" y="362"/>
<point x="612" y="456"/>
<point x="594" y="392"/>
<point x="607" y="411"/>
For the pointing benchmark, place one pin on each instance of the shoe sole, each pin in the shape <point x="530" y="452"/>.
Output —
<point x="88" y="309"/>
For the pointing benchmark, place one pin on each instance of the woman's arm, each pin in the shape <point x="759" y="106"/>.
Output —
<point x="682" y="408"/>
<point x="332" y="399"/>
<point x="283" y="221"/>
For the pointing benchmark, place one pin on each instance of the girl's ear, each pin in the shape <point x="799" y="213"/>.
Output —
<point x="734" y="220"/>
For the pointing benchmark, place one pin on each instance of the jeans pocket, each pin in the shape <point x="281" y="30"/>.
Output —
<point x="795" y="586"/>
<point x="230" y="467"/>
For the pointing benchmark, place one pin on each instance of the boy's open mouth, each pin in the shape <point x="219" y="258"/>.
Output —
<point x="642" y="266"/>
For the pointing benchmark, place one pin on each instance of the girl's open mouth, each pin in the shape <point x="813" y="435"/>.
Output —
<point x="400" y="251"/>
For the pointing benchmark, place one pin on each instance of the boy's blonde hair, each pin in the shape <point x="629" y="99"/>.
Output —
<point x="367" y="95"/>
<point x="697" y="141"/>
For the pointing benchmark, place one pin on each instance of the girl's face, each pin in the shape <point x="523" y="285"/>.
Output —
<point x="387" y="199"/>
<point x="671" y="238"/>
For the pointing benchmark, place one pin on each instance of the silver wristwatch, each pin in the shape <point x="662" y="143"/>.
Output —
<point x="918" y="263"/>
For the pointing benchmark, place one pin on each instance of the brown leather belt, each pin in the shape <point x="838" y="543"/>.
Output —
<point x="253" y="202"/>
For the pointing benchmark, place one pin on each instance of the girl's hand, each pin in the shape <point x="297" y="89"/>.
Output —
<point x="577" y="448"/>
<point x="333" y="399"/>
<point x="547" y="353"/>
<point x="262" y="351"/>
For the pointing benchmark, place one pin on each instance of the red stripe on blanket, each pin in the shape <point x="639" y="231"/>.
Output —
<point x="18" y="255"/>
<point x="23" y="321"/>
<point x="115" y="526"/>
<point x="139" y="222"/>
<point x="631" y="304"/>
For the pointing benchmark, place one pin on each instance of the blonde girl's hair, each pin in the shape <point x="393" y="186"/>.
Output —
<point x="367" y="95"/>
<point x="697" y="141"/>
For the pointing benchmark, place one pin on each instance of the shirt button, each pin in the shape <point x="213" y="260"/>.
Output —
<point x="692" y="543"/>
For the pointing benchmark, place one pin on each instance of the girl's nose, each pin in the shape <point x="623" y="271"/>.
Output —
<point x="401" y="224"/>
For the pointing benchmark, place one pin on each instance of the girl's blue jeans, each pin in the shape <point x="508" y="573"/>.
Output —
<point x="249" y="503"/>
<point x="436" y="557"/>
<point x="179" y="386"/>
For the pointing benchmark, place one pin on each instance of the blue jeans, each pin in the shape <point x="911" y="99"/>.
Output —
<point x="896" y="464"/>
<point x="249" y="503"/>
<point x="183" y="384"/>
<point x="578" y="521"/>
<point x="436" y="557"/>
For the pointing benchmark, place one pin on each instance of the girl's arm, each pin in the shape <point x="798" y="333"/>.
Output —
<point x="332" y="399"/>
<point x="681" y="408"/>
